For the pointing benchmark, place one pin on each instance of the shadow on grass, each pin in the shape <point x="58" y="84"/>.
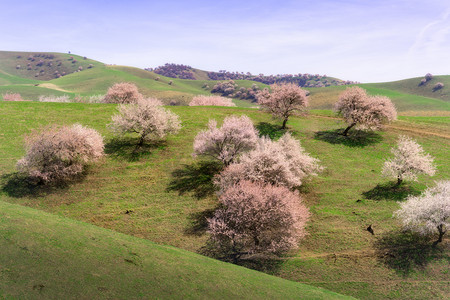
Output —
<point x="406" y="251"/>
<point x="17" y="185"/>
<point x="269" y="264"/>
<point x="196" y="178"/>
<point x="274" y="132"/>
<point x="128" y="148"/>
<point x="356" y="138"/>
<point x="198" y="223"/>
<point x="390" y="191"/>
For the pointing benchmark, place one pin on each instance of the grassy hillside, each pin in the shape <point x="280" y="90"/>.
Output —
<point x="167" y="204"/>
<point x="413" y="86"/>
<point x="43" y="65"/>
<point x="50" y="257"/>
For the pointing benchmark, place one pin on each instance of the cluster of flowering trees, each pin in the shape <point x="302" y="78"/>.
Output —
<point x="260" y="210"/>
<point x="60" y="153"/>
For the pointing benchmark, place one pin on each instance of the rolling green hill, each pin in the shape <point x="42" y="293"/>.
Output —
<point x="166" y="203"/>
<point x="413" y="86"/>
<point x="407" y="95"/>
<point x="44" y="256"/>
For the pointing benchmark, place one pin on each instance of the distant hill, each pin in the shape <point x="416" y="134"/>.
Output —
<point x="94" y="78"/>
<point x="304" y="80"/>
<point x="414" y="86"/>
<point x="43" y="65"/>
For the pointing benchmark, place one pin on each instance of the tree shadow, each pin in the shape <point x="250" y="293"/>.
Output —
<point x="356" y="138"/>
<point x="196" y="178"/>
<point x="129" y="149"/>
<point x="274" y="132"/>
<point x="390" y="191"/>
<point x="17" y="185"/>
<point x="406" y="251"/>
<point x="266" y="263"/>
<point x="198" y="223"/>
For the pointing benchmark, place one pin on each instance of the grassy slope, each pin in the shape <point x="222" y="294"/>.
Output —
<point x="9" y="60"/>
<point x="411" y="86"/>
<point x="50" y="257"/>
<point x="338" y="254"/>
<point x="324" y="98"/>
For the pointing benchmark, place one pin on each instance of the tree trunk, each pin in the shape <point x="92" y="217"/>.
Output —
<point x="441" y="234"/>
<point x="284" y="123"/>
<point x="345" y="133"/>
<point x="399" y="181"/>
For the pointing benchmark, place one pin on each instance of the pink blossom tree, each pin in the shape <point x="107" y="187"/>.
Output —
<point x="427" y="212"/>
<point x="60" y="153"/>
<point x="147" y="118"/>
<point x="12" y="97"/>
<point x="283" y="100"/>
<point x="283" y="162"/>
<point x="236" y="136"/>
<point x="202" y="100"/>
<point x="123" y="93"/>
<point x="357" y="108"/>
<point x="257" y="218"/>
<point x="409" y="160"/>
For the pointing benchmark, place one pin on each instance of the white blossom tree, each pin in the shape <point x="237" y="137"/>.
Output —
<point x="122" y="93"/>
<point x="428" y="212"/>
<point x="409" y="160"/>
<point x="359" y="109"/>
<point x="147" y="118"/>
<point x="59" y="153"/>
<point x="258" y="218"/>
<point x="283" y="100"/>
<point x="236" y="136"/>
<point x="283" y="162"/>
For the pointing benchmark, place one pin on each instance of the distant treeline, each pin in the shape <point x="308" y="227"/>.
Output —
<point x="303" y="80"/>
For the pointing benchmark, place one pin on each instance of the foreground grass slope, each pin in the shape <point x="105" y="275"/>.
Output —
<point x="50" y="257"/>
<point x="162" y="194"/>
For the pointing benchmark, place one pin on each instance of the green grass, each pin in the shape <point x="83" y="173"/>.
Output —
<point x="50" y="257"/>
<point x="9" y="60"/>
<point x="324" y="98"/>
<point x="411" y="86"/>
<point x="338" y="254"/>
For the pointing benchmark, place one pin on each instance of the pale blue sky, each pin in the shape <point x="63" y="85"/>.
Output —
<point x="367" y="41"/>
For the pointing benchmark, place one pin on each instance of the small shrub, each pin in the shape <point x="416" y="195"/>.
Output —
<point x="12" y="97"/>
<point x="202" y="100"/>
<point x="438" y="86"/>
<point x="60" y="153"/>
<point x="52" y="98"/>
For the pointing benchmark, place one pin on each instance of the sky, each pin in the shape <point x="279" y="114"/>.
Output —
<point x="365" y="41"/>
